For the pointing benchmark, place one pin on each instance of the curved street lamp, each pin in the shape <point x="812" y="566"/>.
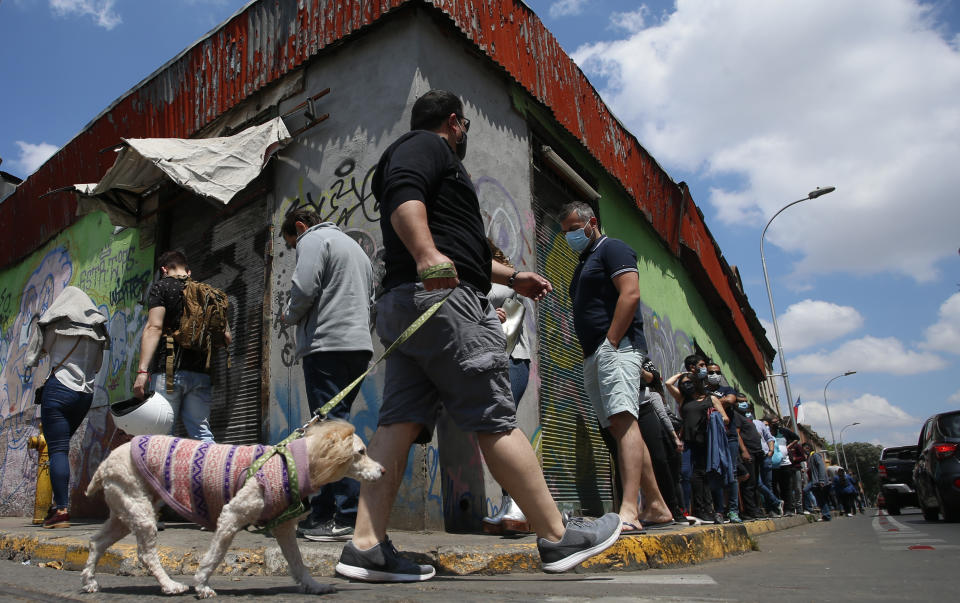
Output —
<point x="825" y="405"/>
<point x="776" y="329"/>
<point x="843" y="450"/>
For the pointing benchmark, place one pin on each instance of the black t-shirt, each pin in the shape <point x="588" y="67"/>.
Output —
<point x="595" y="296"/>
<point x="421" y="166"/>
<point x="694" y="415"/>
<point x="750" y="435"/>
<point x="723" y="390"/>
<point x="168" y="292"/>
<point x="736" y="422"/>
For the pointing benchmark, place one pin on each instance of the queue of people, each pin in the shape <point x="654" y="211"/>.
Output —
<point x="711" y="461"/>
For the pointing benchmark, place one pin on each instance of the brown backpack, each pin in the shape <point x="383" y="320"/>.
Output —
<point x="203" y="323"/>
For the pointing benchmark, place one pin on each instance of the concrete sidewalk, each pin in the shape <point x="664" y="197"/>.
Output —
<point x="182" y="544"/>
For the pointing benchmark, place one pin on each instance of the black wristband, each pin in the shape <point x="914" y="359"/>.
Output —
<point x="512" y="277"/>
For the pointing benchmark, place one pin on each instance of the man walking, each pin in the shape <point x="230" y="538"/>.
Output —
<point x="436" y="249"/>
<point x="330" y="296"/>
<point x="189" y="395"/>
<point x="605" y="292"/>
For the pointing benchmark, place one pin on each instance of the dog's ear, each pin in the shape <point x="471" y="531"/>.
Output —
<point x="331" y="429"/>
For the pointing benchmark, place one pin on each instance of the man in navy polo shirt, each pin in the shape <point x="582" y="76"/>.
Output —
<point x="606" y="295"/>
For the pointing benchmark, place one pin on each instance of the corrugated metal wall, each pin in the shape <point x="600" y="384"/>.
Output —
<point x="576" y="462"/>
<point x="228" y="252"/>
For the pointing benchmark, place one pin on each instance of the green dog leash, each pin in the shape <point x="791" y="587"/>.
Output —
<point x="297" y="507"/>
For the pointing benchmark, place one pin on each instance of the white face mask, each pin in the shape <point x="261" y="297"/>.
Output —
<point x="713" y="379"/>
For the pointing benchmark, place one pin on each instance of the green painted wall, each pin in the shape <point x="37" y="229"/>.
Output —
<point x="113" y="270"/>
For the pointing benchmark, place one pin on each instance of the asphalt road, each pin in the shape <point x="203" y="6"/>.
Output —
<point x="867" y="558"/>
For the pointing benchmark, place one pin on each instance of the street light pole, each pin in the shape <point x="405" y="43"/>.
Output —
<point x="773" y="312"/>
<point x="843" y="450"/>
<point x="825" y="405"/>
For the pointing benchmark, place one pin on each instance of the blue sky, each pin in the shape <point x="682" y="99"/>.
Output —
<point x="752" y="103"/>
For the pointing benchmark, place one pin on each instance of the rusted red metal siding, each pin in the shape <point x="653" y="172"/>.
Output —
<point x="272" y="37"/>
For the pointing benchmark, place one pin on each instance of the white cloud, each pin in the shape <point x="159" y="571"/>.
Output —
<point x="101" y="11"/>
<point x="944" y="336"/>
<point x="955" y="398"/>
<point x="868" y="355"/>
<point x="874" y="413"/>
<point x="630" y="21"/>
<point x="566" y="8"/>
<point x="791" y="95"/>
<point x="32" y="156"/>
<point x="811" y="322"/>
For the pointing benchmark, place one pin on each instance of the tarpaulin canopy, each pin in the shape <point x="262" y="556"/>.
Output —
<point x="214" y="168"/>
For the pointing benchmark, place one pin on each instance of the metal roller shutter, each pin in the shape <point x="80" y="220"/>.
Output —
<point x="576" y="462"/>
<point x="226" y="248"/>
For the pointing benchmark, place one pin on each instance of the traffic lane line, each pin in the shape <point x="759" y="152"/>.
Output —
<point x="660" y="579"/>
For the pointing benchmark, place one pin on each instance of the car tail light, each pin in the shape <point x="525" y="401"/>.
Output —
<point x="956" y="483"/>
<point x="944" y="451"/>
<point x="882" y="470"/>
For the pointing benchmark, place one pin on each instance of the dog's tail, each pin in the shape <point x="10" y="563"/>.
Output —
<point x="96" y="482"/>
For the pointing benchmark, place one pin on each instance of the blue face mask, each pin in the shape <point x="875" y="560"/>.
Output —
<point x="577" y="240"/>
<point x="702" y="372"/>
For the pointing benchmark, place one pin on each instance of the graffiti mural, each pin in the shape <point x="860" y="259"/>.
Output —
<point x="113" y="269"/>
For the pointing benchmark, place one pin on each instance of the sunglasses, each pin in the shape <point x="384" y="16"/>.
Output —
<point x="713" y="372"/>
<point x="464" y="122"/>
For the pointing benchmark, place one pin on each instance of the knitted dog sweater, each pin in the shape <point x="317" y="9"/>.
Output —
<point x="198" y="478"/>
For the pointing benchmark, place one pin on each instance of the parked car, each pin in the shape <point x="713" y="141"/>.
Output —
<point x="937" y="472"/>
<point x="896" y="477"/>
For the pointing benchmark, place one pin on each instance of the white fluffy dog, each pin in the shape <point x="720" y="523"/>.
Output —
<point x="333" y="451"/>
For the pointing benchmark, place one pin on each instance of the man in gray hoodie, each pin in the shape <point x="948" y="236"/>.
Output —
<point x="329" y="302"/>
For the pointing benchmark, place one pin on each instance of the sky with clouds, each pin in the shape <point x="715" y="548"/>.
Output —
<point x="752" y="103"/>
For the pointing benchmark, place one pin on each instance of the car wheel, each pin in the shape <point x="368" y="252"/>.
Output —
<point x="930" y="513"/>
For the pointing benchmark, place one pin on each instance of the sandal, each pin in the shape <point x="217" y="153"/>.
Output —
<point x="631" y="529"/>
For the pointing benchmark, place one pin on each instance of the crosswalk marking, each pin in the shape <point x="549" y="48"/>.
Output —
<point x="683" y="579"/>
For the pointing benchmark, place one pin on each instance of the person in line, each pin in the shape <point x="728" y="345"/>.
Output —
<point x="724" y="494"/>
<point x="750" y="494"/>
<point x="72" y="332"/>
<point x="695" y="405"/>
<point x="739" y="455"/>
<point x="819" y="482"/>
<point x="765" y="483"/>
<point x="605" y="292"/>
<point x="436" y="250"/>
<point x="784" y="474"/>
<point x="509" y="517"/>
<point x="331" y="292"/>
<point x="696" y="364"/>
<point x="190" y="396"/>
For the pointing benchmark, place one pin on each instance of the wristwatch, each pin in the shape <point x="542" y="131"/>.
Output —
<point x="512" y="277"/>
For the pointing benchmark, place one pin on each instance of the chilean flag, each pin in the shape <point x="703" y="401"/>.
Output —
<point x="798" y="411"/>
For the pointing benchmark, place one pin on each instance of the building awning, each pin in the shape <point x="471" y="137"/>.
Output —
<point x="213" y="168"/>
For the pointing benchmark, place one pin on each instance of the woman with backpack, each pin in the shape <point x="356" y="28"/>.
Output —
<point x="72" y="332"/>
<point x="695" y="407"/>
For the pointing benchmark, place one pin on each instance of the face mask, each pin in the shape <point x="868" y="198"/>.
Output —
<point x="688" y="388"/>
<point x="462" y="147"/>
<point x="702" y="372"/>
<point x="577" y="240"/>
<point x="713" y="380"/>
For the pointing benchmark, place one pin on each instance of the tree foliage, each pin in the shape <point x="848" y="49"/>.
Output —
<point x="865" y="457"/>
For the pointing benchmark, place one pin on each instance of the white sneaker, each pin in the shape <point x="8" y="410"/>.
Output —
<point x="504" y="505"/>
<point x="513" y="519"/>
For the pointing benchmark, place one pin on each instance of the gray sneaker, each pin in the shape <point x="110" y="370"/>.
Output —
<point x="381" y="563"/>
<point x="329" y="531"/>
<point x="581" y="540"/>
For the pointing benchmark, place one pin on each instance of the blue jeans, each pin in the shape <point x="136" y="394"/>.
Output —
<point x="519" y="378"/>
<point x="733" y="490"/>
<point x="61" y="412"/>
<point x="686" y="471"/>
<point x="325" y="375"/>
<point x="765" y="483"/>
<point x="190" y="401"/>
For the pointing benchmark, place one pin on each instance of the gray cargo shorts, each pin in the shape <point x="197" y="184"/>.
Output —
<point x="457" y="358"/>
